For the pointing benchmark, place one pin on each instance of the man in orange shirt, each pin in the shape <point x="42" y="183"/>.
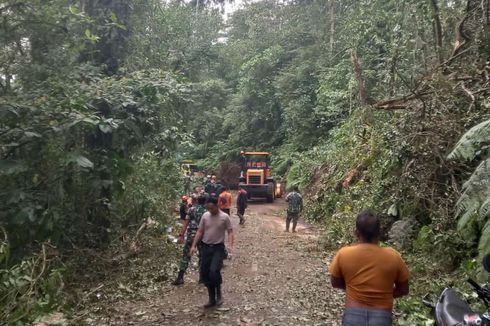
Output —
<point x="224" y="202"/>
<point x="372" y="276"/>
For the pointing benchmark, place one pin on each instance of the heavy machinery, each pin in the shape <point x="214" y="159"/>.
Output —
<point x="189" y="168"/>
<point x="255" y="175"/>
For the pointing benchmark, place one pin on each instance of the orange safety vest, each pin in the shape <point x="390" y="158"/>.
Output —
<point x="224" y="201"/>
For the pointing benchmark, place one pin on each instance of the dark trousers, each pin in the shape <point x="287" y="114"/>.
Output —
<point x="211" y="264"/>
<point x="241" y="211"/>
<point x="227" y="211"/>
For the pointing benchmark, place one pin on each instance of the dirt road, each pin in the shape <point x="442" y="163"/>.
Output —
<point x="274" y="278"/>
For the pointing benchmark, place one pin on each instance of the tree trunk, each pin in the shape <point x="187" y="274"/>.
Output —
<point x="360" y="80"/>
<point x="332" y="25"/>
<point x="437" y="29"/>
<point x="110" y="49"/>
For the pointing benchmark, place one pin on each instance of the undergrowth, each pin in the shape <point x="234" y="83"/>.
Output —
<point x="368" y="163"/>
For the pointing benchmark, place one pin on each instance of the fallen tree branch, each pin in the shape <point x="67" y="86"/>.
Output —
<point x="43" y="269"/>
<point x="149" y="222"/>
<point x="470" y="95"/>
<point x="134" y="245"/>
<point x="399" y="102"/>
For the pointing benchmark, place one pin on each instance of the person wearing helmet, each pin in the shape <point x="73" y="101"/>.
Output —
<point x="212" y="187"/>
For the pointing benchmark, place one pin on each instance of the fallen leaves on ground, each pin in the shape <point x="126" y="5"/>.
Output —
<point x="275" y="278"/>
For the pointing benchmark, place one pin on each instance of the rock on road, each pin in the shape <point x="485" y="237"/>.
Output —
<point x="274" y="278"/>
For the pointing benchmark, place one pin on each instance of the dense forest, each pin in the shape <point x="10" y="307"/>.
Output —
<point x="364" y="104"/>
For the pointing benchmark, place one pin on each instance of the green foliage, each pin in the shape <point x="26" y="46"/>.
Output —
<point x="28" y="290"/>
<point x="67" y="154"/>
<point x="100" y="99"/>
<point x="472" y="143"/>
<point x="473" y="206"/>
<point x="93" y="120"/>
<point x="150" y="190"/>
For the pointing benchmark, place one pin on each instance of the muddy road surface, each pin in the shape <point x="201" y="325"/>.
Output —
<point x="274" y="278"/>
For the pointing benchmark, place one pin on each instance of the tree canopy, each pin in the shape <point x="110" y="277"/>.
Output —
<point x="361" y="102"/>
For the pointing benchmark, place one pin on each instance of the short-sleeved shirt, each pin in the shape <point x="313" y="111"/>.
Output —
<point x="370" y="273"/>
<point x="214" y="227"/>
<point x="224" y="201"/>
<point x="295" y="202"/>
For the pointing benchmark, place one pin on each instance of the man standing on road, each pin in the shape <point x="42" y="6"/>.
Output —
<point x="372" y="276"/>
<point x="241" y="204"/>
<point x="212" y="229"/>
<point x="191" y="224"/>
<point x="225" y="201"/>
<point x="295" y="206"/>
<point x="211" y="187"/>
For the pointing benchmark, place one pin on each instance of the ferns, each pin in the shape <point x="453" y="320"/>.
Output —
<point x="472" y="142"/>
<point x="474" y="204"/>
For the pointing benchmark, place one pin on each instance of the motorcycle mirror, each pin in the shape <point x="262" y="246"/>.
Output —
<point x="486" y="262"/>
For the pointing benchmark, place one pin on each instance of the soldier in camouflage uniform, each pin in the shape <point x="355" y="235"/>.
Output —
<point x="295" y="206"/>
<point x="191" y="225"/>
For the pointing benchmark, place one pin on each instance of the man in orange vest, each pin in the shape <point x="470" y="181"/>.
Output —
<point x="224" y="202"/>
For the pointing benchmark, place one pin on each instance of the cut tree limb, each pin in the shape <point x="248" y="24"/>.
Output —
<point x="470" y="95"/>
<point x="399" y="102"/>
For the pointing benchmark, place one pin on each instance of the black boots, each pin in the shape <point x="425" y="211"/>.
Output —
<point x="180" y="279"/>
<point x="215" y="297"/>
<point x="294" y="226"/>
<point x="219" y="297"/>
<point x="212" y="297"/>
<point x="242" y="219"/>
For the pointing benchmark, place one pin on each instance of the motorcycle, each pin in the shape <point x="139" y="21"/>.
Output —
<point x="452" y="310"/>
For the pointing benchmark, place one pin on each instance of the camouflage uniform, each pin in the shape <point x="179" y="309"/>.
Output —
<point x="194" y="217"/>
<point x="295" y="206"/>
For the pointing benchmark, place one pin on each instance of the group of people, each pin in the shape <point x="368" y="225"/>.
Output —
<point x="206" y="220"/>
<point x="372" y="276"/>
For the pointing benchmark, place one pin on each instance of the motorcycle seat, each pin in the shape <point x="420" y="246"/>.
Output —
<point x="451" y="308"/>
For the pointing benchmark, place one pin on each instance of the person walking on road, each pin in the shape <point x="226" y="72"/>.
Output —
<point x="212" y="230"/>
<point x="372" y="276"/>
<point x="241" y="204"/>
<point x="295" y="206"/>
<point x="191" y="224"/>
<point x="225" y="199"/>
<point x="211" y="187"/>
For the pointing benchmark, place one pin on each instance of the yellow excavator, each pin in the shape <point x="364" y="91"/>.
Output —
<point x="255" y="176"/>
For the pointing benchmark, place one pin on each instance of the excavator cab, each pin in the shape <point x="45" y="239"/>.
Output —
<point x="255" y="175"/>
